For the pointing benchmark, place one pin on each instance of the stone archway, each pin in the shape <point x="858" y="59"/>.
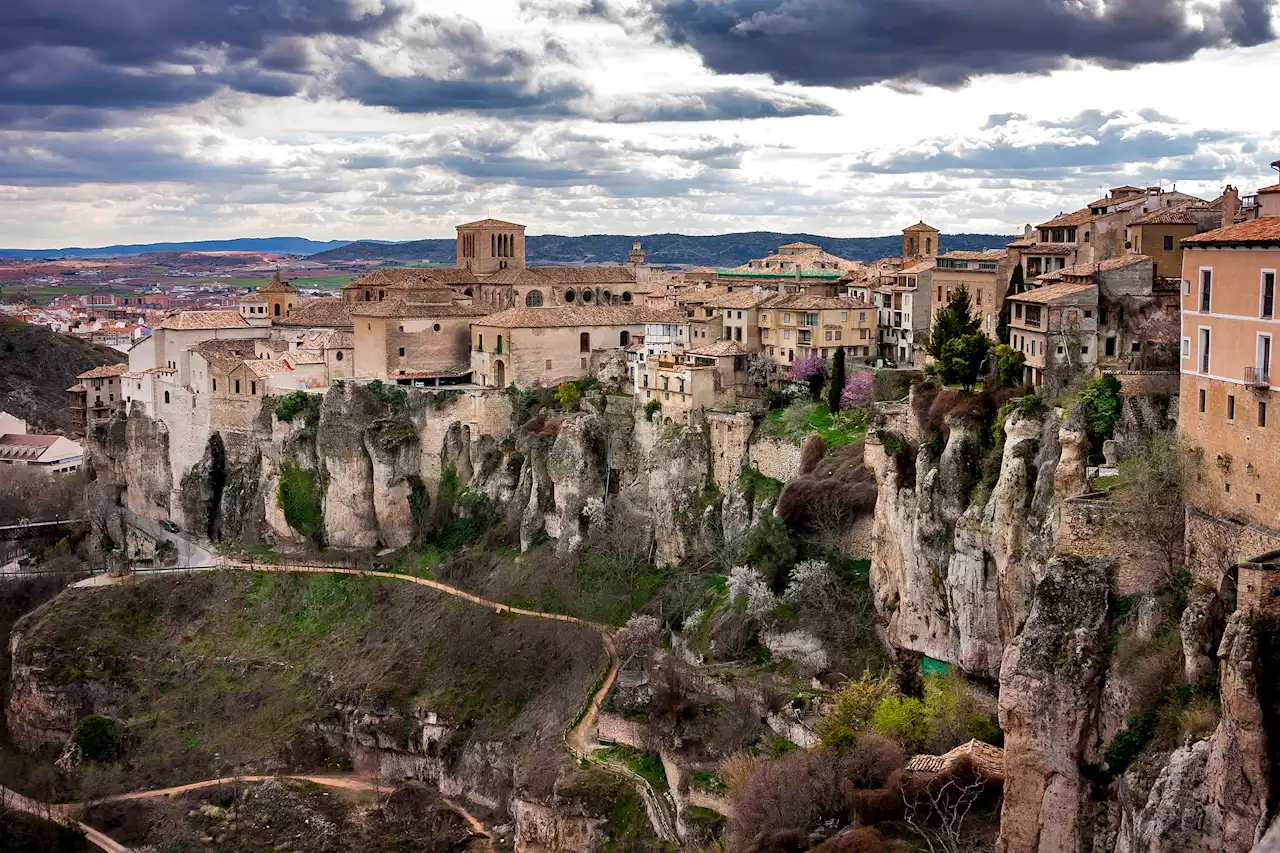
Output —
<point x="499" y="374"/>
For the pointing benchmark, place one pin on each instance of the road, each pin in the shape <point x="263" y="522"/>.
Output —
<point x="191" y="555"/>
<point x="47" y="811"/>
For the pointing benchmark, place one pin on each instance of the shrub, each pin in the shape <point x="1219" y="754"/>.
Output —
<point x="1010" y="365"/>
<point x="1129" y="742"/>
<point x="860" y="390"/>
<point x="568" y="396"/>
<point x="641" y="634"/>
<point x="298" y="496"/>
<point x="811" y="370"/>
<point x="905" y="720"/>
<point x="855" y="706"/>
<point x="99" y="739"/>
<point x="747" y="586"/>
<point x="651" y="408"/>
<point x="955" y="714"/>
<point x="960" y="362"/>
<point x="1101" y="401"/>
<point x="770" y="550"/>
<point x="290" y="406"/>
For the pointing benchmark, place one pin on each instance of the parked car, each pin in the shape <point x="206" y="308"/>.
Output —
<point x="169" y="526"/>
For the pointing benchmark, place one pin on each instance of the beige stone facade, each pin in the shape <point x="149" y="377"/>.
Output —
<point x="407" y="341"/>
<point x="490" y="245"/>
<point x="984" y="274"/>
<point x="701" y="378"/>
<point x="1055" y="326"/>
<point x="792" y="326"/>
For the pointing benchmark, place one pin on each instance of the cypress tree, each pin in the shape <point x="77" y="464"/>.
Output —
<point x="837" y="381"/>
<point x="1016" y="284"/>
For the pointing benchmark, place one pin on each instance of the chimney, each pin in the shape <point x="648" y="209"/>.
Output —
<point x="1230" y="206"/>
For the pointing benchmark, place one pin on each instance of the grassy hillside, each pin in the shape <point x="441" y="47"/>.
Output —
<point x="721" y="250"/>
<point x="37" y="366"/>
<point x="245" y="665"/>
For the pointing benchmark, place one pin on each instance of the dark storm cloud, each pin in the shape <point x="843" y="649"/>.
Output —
<point x="1090" y="141"/>
<point x="424" y="94"/>
<point x="852" y="43"/>
<point x="53" y="160"/>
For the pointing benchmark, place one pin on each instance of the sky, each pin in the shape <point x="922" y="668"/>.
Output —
<point x="138" y="121"/>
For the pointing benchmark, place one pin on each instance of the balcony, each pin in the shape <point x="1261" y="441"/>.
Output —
<point x="1257" y="377"/>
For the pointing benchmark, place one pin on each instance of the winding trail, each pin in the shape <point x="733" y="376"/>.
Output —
<point x="579" y="738"/>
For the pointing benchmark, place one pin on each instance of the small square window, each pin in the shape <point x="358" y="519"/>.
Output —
<point x="1168" y="242"/>
<point x="1088" y="314"/>
<point x="402" y="352"/>
<point x="1228" y="488"/>
<point x="1084" y="350"/>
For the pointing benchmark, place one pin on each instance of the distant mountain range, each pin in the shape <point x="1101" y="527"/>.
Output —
<point x="277" y="245"/>
<point x="721" y="250"/>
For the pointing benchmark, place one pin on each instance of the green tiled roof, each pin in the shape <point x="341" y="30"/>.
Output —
<point x="833" y="274"/>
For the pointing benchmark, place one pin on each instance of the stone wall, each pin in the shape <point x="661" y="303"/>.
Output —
<point x="624" y="730"/>
<point x="1259" y="588"/>
<point x="1215" y="546"/>
<point x="1088" y="527"/>
<point x="1140" y="383"/>
<point x="776" y="458"/>
<point x="730" y="436"/>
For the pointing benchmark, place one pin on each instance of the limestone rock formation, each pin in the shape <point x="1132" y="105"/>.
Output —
<point x="1049" y="683"/>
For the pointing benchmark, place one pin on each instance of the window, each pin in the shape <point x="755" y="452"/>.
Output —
<point x="1110" y="347"/>
<point x="829" y="337"/>
<point x="862" y="316"/>
<point x="1231" y="407"/>
<point x="1168" y="242"/>
<point x="1204" y="350"/>
<point x="1203" y="400"/>
<point x="844" y="316"/>
<point x="1206" y="290"/>
<point x="480" y="343"/>
<point x="1268" y="308"/>
<point x="1084" y="350"/>
<point x="338" y="357"/>
<point x="786" y="334"/>
<point x="1033" y="347"/>
<point x="1088" y="314"/>
<point x="498" y="350"/>
<point x="215" y="385"/>
<point x="786" y="318"/>
<point x="584" y="342"/>
<point x="253" y="388"/>
<point x="1186" y="347"/>
<point x="1262" y="413"/>
<point x="548" y="365"/>
<point x="1017" y="310"/>
<point x="166" y="396"/>
<point x="237" y="386"/>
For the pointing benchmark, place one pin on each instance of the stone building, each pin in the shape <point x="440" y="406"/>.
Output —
<point x="281" y="297"/>
<point x="537" y="287"/>
<point x="692" y="381"/>
<point x="984" y="274"/>
<point x="489" y="245"/>
<point x="54" y="453"/>
<point x="1055" y="327"/>
<point x="791" y="325"/>
<point x="549" y="345"/>
<point x="919" y="242"/>
<point x="903" y="317"/>
<point x="406" y="282"/>
<point x="96" y="394"/>
<point x="425" y="341"/>
<point x="805" y="257"/>
<point x="1227" y="404"/>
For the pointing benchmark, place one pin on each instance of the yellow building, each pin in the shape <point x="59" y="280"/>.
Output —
<point x="796" y="325"/>
<point x="984" y="274"/>
<point x="281" y="297"/>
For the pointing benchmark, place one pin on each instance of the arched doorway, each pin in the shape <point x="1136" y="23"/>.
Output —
<point x="624" y="338"/>
<point x="499" y="374"/>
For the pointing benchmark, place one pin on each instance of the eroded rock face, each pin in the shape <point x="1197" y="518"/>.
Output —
<point x="1212" y="795"/>
<point x="540" y="829"/>
<point x="954" y="580"/>
<point x="1049" y="683"/>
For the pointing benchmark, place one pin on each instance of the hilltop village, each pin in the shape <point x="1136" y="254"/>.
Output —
<point x="975" y="550"/>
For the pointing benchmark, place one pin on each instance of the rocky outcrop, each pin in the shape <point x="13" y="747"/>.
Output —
<point x="1049" y="684"/>
<point x="951" y="579"/>
<point x="1213" y="795"/>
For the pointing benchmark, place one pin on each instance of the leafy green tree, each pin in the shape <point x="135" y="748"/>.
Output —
<point x="1101" y="401"/>
<point x="906" y="720"/>
<point x="568" y="396"/>
<point x="954" y="321"/>
<point x="837" y="381"/>
<point x="99" y="739"/>
<point x="853" y="707"/>
<point x="961" y="360"/>
<point x="1016" y="284"/>
<point x="1010" y="366"/>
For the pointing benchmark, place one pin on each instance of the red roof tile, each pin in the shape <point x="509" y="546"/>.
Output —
<point x="1265" y="230"/>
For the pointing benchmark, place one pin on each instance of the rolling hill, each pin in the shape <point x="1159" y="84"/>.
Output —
<point x="721" y="250"/>
<point x="276" y="245"/>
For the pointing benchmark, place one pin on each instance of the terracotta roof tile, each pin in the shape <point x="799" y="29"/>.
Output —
<point x="1126" y="260"/>
<point x="737" y="299"/>
<point x="1274" y="188"/>
<point x="807" y="246"/>
<point x="1049" y="293"/>
<point x="920" y="226"/>
<point x="266" y="366"/>
<point x="401" y="307"/>
<point x="277" y="285"/>
<point x="1132" y="194"/>
<point x="802" y="302"/>
<point x="332" y="312"/>
<point x="1051" y="249"/>
<point x="1178" y="215"/>
<point x="987" y="760"/>
<point x="106" y="371"/>
<point x="225" y="355"/>
<point x="204" y="321"/>
<point x="991" y="255"/>
<point x="1066" y="220"/>
<point x="719" y="349"/>
<point x="413" y="277"/>
<point x="490" y="223"/>
<point x="563" y="316"/>
<point x="1265" y="230"/>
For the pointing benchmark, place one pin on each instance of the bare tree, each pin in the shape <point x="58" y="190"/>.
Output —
<point x="938" y="809"/>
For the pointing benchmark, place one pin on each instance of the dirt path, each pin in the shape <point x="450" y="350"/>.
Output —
<point x="579" y="738"/>
<point x="48" y="811"/>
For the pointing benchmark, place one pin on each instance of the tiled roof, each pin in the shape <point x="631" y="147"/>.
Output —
<point x="1265" y="230"/>
<point x="916" y="269"/>
<point x="1066" y="220"/>
<point x="802" y="302"/>
<point x="1274" y="188"/>
<point x="1132" y="194"/>
<point x="225" y="355"/>
<point x="25" y="446"/>
<point x="1166" y="216"/>
<point x="413" y="277"/>
<point x="1126" y="260"/>
<point x="78" y="388"/>
<point x="330" y="312"/>
<point x="204" y="320"/>
<point x="738" y="299"/>
<point x="399" y="307"/>
<point x="490" y="223"/>
<point x="563" y="316"/>
<point x="265" y="366"/>
<point x="106" y="371"/>
<point x="1051" y="292"/>
<point x="301" y="356"/>
<point x="251" y="297"/>
<point x="801" y="246"/>
<point x="987" y="760"/>
<point x="277" y="285"/>
<point x="1051" y="249"/>
<point x="992" y="255"/>
<point x="719" y="349"/>
<point x="327" y="339"/>
<point x="550" y="276"/>
<point x="920" y="226"/>
<point x="1022" y="242"/>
